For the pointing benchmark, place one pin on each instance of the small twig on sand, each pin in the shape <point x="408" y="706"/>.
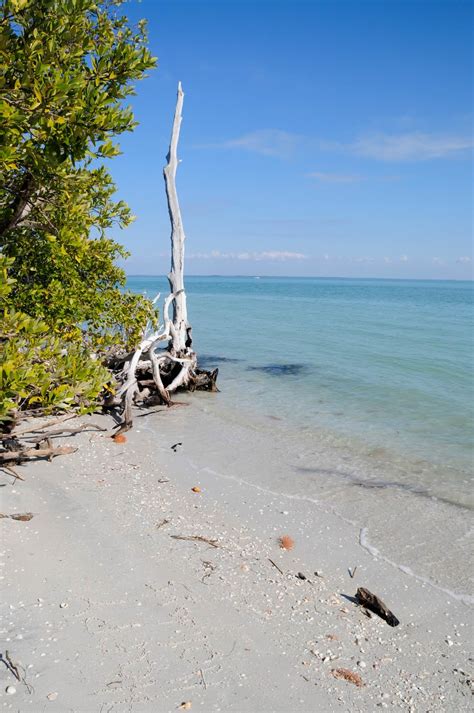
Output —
<point x="275" y="565"/>
<point x="162" y="523"/>
<point x="14" y="669"/>
<point x="13" y="472"/>
<point x="352" y="572"/>
<point x="22" y="516"/>
<point x="10" y="665"/>
<point x="196" y="538"/>
<point x="202" y="678"/>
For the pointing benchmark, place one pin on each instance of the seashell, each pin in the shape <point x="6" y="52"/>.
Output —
<point x="196" y="489"/>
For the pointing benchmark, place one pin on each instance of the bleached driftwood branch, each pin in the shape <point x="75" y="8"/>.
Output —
<point x="176" y="366"/>
<point x="181" y="340"/>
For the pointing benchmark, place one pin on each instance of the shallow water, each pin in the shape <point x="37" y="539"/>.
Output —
<point x="380" y="367"/>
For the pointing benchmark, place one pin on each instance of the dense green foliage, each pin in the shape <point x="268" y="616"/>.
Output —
<point x="67" y="67"/>
<point x="38" y="369"/>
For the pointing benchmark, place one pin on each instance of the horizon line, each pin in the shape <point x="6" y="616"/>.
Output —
<point x="318" y="277"/>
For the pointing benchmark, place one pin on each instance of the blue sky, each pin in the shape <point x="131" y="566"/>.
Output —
<point x="323" y="138"/>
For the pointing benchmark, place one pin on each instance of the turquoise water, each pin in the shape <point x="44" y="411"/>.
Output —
<point x="380" y="366"/>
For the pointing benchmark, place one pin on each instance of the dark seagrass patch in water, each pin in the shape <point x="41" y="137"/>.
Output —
<point x="208" y="360"/>
<point x="281" y="369"/>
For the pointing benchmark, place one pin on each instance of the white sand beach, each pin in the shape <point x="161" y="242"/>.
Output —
<point x="105" y="610"/>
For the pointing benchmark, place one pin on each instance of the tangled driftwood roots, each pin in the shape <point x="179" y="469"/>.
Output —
<point x="152" y="375"/>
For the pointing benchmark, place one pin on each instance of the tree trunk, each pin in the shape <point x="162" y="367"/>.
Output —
<point x="180" y="341"/>
<point x="20" y="206"/>
<point x="151" y="373"/>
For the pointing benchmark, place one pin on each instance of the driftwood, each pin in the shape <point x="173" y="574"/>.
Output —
<point x="21" y="516"/>
<point x="373" y="603"/>
<point x="181" y="340"/>
<point x="59" y="431"/>
<point x="37" y="429"/>
<point x="15" y="452"/>
<point x="26" y="454"/>
<point x="151" y="374"/>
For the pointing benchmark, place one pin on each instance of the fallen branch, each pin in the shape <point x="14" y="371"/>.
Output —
<point x="32" y="453"/>
<point x="36" y="429"/>
<point x="60" y="431"/>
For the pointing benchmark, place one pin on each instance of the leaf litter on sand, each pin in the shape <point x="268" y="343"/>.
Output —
<point x="347" y="675"/>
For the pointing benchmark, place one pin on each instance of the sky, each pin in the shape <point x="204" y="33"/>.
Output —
<point x="319" y="138"/>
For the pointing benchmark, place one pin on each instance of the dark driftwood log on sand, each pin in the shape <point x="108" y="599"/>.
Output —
<point x="373" y="603"/>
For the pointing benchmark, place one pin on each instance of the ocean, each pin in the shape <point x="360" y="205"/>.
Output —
<point x="373" y="373"/>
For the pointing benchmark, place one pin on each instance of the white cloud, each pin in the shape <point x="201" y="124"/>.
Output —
<point x="437" y="261"/>
<point x="334" y="177"/>
<point x="408" y="146"/>
<point x="414" y="146"/>
<point x="365" y="260"/>
<point x="270" y="255"/>
<point x="465" y="259"/>
<point x="267" y="142"/>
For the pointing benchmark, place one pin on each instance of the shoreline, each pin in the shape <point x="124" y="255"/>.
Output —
<point x="370" y="492"/>
<point x="114" y="613"/>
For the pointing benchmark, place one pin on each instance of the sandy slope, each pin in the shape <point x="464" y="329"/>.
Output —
<point x="105" y="611"/>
